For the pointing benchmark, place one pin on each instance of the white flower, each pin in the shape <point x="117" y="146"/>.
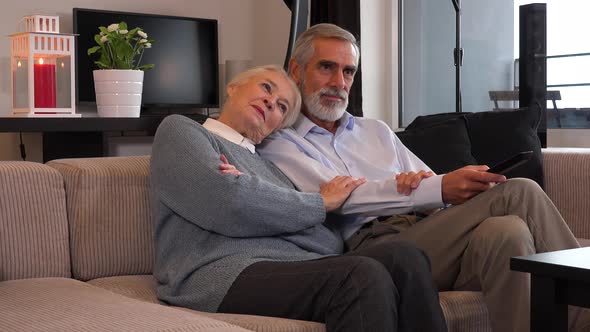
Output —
<point x="104" y="39"/>
<point x="141" y="41"/>
<point x="142" y="34"/>
<point x="113" y="27"/>
<point x="148" y="45"/>
<point x="122" y="32"/>
<point x="102" y="33"/>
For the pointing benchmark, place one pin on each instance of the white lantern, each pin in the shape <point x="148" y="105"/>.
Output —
<point x="43" y="72"/>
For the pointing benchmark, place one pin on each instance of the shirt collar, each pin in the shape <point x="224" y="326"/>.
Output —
<point x="230" y="134"/>
<point x="303" y="125"/>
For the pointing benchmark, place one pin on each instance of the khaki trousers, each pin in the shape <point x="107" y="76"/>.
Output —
<point x="470" y="246"/>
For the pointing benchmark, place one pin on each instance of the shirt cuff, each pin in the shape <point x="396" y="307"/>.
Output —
<point x="428" y="195"/>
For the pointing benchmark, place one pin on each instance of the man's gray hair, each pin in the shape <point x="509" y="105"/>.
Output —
<point x="304" y="48"/>
<point x="243" y="77"/>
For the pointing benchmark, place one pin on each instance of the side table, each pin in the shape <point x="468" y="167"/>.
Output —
<point x="558" y="279"/>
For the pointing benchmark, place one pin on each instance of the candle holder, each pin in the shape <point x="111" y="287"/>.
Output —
<point x="42" y="66"/>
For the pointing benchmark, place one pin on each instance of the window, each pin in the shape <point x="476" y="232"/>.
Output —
<point x="568" y="60"/>
<point x="427" y="77"/>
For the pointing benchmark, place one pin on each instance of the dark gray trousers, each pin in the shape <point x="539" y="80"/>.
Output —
<point x="382" y="287"/>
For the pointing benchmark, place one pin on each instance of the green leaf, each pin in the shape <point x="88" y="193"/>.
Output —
<point x="102" y="65"/>
<point x="106" y="60"/>
<point x="146" y="67"/>
<point x="93" y="50"/>
<point x="103" y="29"/>
<point x="122" y="26"/>
<point x="120" y="64"/>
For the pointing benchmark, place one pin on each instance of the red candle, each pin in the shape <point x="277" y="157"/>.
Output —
<point x="44" y="85"/>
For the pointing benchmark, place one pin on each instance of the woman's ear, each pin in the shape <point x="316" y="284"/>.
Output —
<point x="230" y="90"/>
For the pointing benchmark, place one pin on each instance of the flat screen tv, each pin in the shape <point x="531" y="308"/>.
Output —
<point x="185" y="53"/>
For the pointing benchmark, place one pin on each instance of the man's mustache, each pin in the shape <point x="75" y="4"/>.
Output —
<point x="341" y="93"/>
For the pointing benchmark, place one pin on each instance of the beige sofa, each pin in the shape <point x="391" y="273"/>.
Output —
<point x="76" y="249"/>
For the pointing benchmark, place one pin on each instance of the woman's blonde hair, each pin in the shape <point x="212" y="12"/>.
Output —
<point x="243" y="77"/>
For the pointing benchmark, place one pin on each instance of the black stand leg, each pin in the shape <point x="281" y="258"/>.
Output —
<point x="547" y="315"/>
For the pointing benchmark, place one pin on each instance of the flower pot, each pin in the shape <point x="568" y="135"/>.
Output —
<point x="118" y="92"/>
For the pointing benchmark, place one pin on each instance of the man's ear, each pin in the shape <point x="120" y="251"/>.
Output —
<point x="295" y="71"/>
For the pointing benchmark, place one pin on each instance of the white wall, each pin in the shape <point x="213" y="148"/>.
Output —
<point x="379" y="54"/>
<point x="248" y="29"/>
<point x="271" y="20"/>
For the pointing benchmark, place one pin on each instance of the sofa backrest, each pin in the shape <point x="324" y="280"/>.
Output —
<point x="567" y="183"/>
<point x="33" y="222"/>
<point x="109" y="215"/>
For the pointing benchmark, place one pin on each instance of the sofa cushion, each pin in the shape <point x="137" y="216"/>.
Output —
<point x="497" y="135"/>
<point x="443" y="146"/>
<point x="139" y="287"/>
<point x="33" y="222"/>
<point x="108" y="207"/>
<point x="59" y="304"/>
<point x="465" y="311"/>
<point x="264" y="324"/>
<point x="143" y="288"/>
<point x="431" y="119"/>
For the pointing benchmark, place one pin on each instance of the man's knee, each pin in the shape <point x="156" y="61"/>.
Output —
<point x="524" y="184"/>
<point x="509" y="234"/>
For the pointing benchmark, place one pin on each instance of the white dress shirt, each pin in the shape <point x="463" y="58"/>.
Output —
<point x="222" y="130"/>
<point x="310" y="155"/>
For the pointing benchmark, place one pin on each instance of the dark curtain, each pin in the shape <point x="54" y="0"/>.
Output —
<point x="347" y="15"/>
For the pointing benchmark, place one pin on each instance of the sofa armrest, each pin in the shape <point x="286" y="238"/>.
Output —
<point x="567" y="183"/>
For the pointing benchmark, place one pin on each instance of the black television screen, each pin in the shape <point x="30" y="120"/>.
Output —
<point x="185" y="53"/>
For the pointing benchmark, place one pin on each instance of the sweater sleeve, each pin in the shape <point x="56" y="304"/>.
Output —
<point x="186" y="178"/>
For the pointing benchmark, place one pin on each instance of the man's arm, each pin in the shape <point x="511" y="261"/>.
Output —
<point x="307" y="167"/>
<point x="461" y="185"/>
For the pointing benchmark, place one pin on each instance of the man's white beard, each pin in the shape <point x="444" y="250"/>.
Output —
<point x="331" y="112"/>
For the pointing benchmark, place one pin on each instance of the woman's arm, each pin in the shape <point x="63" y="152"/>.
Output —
<point x="186" y="178"/>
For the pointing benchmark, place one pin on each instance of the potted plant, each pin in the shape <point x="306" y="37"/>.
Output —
<point x="118" y="82"/>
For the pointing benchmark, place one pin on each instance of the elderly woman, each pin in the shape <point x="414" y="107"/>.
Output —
<point x="233" y="235"/>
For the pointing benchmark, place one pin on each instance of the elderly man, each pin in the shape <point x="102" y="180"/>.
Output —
<point x="479" y="221"/>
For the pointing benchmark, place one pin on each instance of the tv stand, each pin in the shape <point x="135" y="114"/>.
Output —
<point x="82" y="137"/>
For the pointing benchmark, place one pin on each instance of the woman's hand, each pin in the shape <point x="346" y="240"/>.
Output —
<point x="406" y="182"/>
<point x="337" y="191"/>
<point x="227" y="168"/>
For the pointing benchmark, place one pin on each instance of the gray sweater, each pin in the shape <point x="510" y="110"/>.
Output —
<point x="210" y="226"/>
